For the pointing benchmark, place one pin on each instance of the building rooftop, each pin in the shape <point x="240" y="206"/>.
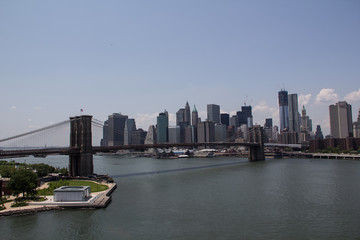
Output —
<point x="71" y="188"/>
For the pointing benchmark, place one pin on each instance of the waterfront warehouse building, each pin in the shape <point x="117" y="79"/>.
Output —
<point x="72" y="193"/>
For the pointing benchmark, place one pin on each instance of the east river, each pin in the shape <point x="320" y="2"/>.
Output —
<point x="199" y="198"/>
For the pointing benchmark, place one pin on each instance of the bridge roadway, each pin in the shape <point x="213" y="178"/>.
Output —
<point x="98" y="149"/>
<point x="38" y="151"/>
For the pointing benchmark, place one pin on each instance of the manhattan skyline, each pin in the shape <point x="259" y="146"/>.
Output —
<point x="140" y="58"/>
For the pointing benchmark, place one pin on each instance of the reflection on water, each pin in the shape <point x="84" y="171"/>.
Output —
<point x="219" y="198"/>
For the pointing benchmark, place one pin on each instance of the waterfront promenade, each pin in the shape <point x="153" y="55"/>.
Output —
<point x="313" y="155"/>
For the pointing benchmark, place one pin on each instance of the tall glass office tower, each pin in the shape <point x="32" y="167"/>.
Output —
<point x="283" y="110"/>
<point x="294" y="116"/>
<point x="213" y="113"/>
<point x="162" y="127"/>
<point x="187" y="116"/>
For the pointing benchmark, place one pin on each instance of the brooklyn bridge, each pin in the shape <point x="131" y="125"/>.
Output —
<point x="81" y="149"/>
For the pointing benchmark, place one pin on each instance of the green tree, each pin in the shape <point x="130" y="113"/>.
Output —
<point x="62" y="170"/>
<point x="42" y="169"/>
<point x="7" y="170"/>
<point x="23" y="181"/>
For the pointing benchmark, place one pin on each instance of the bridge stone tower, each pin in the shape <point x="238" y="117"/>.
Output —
<point x="81" y="163"/>
<point x="256" y="135"/>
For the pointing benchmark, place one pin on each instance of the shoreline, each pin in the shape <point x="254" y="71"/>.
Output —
<point x="26" y="211"/>
<point x="98" y="200"/>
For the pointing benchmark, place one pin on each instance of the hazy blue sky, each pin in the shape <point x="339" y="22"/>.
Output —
<point x="141" y="57"/>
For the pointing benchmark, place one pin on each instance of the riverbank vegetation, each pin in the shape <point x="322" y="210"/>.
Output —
<point x="19" y="204"/>
<point x="339" y="151"/>
<point x="23" y="181"/>
<point x="7" y="169"/>
<point x="24" y="178"/>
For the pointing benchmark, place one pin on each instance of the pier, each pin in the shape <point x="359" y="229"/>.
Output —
<point x="313" y="155"/>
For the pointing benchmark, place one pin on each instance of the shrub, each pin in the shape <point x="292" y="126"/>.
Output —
<point x="19" y="204"/>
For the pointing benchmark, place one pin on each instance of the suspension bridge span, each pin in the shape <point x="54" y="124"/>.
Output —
<point x="81" y="150"/>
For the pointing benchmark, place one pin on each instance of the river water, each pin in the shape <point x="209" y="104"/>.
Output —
<point x="199" y="198"/>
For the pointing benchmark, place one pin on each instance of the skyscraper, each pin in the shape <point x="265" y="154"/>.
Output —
<point x="283" y="110"/>
<point x="304" y="127"/>
<point x="268" y="123"/>
<point x="225" y="119"/>
<point x="213" y="113"/>
<point x="115" y="128"/>
<point x="190" y="134"/>
<point x="182" y="120"/>
<point x="195" y="117"/>
<point x="206" y="131"/>
<point x="356" y="127"/>
<point x="130" y="127"/>
<point x="341" y="120"/>
<point x="244" y="116"/>
<point x="294" y="116"/>
<point x="305" y="121"/>
<point x="268" y="130"/>
<point x="174" y="134"/>
<point x="187" y="116"/>
<point x="318" y="134"/>
<point x="105" y="139"/>
<point x="138" y="136"/>
<point x="162" y="127"/>
<point x="234" y="121"/>
<point x="194" y="121"/>
<point x="220" y="132"/>
<point x="180" y="116"/>
<point x="151" y="135"/>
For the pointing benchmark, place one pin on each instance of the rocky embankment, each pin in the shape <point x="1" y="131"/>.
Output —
<point x="25" y="210"/>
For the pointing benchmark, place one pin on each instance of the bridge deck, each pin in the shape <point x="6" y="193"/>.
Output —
<point x="97" y="149"/>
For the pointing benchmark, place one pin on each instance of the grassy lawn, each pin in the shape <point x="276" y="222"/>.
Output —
<point x="95" y="187"/>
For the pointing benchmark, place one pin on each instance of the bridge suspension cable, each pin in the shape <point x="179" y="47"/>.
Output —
<point x="97" y="122"/>
<point x="35" y="131"/>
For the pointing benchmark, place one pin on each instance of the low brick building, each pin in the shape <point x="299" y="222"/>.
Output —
<point x="348" y="143"/>
<point x="4" y="190"/>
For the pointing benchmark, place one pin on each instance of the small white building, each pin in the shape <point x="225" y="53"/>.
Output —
<point x="72" y="193"/>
